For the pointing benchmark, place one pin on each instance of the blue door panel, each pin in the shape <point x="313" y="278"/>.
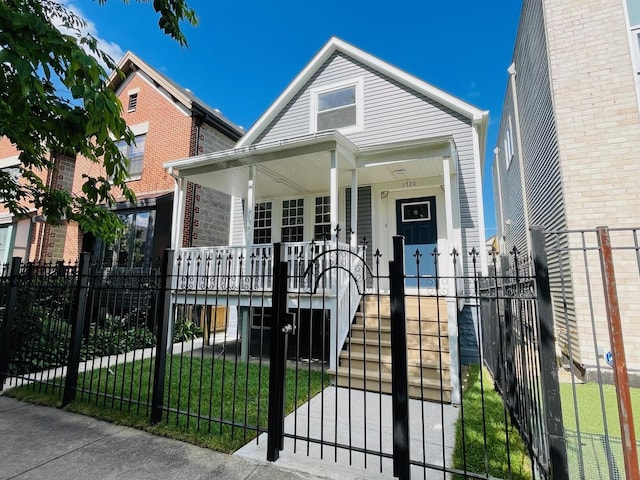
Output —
<point x="416" y="221"/>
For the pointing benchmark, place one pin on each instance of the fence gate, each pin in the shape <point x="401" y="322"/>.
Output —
<point x="376" y="346"/>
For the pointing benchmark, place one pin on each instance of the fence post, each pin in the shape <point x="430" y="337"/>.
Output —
<point x="162" y="339"/>
<point x="509" y="348"/>
<point x="73" y="362"/>
<point x="548" y="362"/>
<point x="9" y="320"/>
<point x="620" y="374"/>
<point x="491" y="344"/>
<point x="277" y="360"/>
<point x="399" y="382"/>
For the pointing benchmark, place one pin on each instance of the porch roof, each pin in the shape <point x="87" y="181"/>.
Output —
<point x="301" y="164"/>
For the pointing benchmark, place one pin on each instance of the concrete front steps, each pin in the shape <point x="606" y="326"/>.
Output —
<point x="365" y="361"/>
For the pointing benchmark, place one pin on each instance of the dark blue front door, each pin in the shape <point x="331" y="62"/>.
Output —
<point x="416" y="222"/>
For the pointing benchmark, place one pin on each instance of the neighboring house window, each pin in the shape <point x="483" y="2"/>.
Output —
<point x="262" y="223"/>
<point x="337" y="106"/>
<point x="293" y="220"/>
<point x="633" y="10"/>
<point x="5" y="240"/>
<point x="133" y="247"/>
<point x="14" y="172"/>
<point x="135" y="154"/>
<point x="508" y="144"/>
<point x="133" y="102"/>
<point x="322" y="228"/>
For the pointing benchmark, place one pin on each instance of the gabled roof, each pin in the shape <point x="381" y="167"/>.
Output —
<point x="478" y="116"/>
<point x="131" y="63"/>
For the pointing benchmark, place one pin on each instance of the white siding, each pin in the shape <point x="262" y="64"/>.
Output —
<point x="392" y="112"/>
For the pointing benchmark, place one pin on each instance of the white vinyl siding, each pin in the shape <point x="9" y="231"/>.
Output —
<point x="392" y="113"/>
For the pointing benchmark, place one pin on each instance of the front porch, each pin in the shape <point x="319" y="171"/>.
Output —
<point x="337" y="309"/>
<point x="322" y="186"/>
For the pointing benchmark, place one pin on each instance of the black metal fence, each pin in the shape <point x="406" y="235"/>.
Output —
<point x="595" y="286"/>
<point x="313" y="352"/>
<point x="518" y="343"/>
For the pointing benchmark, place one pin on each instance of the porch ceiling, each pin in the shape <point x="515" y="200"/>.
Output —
<point x="276" y="178"/>
<point x="301" y="166"/>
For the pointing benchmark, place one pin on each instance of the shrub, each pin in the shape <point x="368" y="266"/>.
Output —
<point x="116" y="336"/>
<point x="184" y="330"/>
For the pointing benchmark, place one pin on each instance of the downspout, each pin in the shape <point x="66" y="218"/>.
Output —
<point x="516" y="116"/>
<point x="496" y="162"/>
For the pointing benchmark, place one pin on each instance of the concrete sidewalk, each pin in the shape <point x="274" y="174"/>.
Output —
<point x="47" y="443"/>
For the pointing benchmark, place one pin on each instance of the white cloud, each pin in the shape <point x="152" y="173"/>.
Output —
<point x="110" y="48"/>
<point x="473" y="90"/>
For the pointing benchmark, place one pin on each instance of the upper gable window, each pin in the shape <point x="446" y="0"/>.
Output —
<point x="337" y="106"/>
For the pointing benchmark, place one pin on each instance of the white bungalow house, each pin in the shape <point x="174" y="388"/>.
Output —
<point x="356" y="146"/>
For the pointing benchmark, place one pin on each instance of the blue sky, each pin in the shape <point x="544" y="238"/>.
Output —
<point x="244" y="54"/>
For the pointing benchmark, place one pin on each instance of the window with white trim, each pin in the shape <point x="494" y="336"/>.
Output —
<point x="633" y="11"/>
<point x="322" y="226"/>
<point x="338" y="106"/>
<point x="293" y="220"/>
<point x="135" y="155"/>
<point x="508" y="143"/>
<point x="262" y="218"/>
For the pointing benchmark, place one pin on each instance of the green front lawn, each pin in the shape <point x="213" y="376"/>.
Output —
<point x="239" y="398"/>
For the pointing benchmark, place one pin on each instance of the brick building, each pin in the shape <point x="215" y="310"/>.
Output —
<point x="169" y="122"/>
<point x="567" y="150"/>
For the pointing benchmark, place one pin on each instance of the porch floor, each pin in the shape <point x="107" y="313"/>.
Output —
<point x="425" y="441"/>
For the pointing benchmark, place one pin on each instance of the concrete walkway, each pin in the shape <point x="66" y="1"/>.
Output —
<point x="47" y="443"/>
<point x="361" y="420"/>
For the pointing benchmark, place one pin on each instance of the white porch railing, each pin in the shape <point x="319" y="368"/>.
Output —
<point x="311" y="267"/>
<point x="334" y="270"/>
<point x="215" y="269"/>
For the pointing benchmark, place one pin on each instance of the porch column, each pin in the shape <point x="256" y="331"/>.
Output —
<point x="451" y="301"/>
<point x="177" y="215"/>
<point x="354" y="208"/>
<point x="333" y="206"/>
<point x="245" y="326"/>
<point x="448" y="201"/>
<point x="250" y="209"/>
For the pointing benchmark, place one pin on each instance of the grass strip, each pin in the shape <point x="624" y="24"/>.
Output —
<point x="484" y="421"/>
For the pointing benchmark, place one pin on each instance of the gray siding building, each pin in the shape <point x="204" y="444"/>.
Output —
<point x="567" y="151"/>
